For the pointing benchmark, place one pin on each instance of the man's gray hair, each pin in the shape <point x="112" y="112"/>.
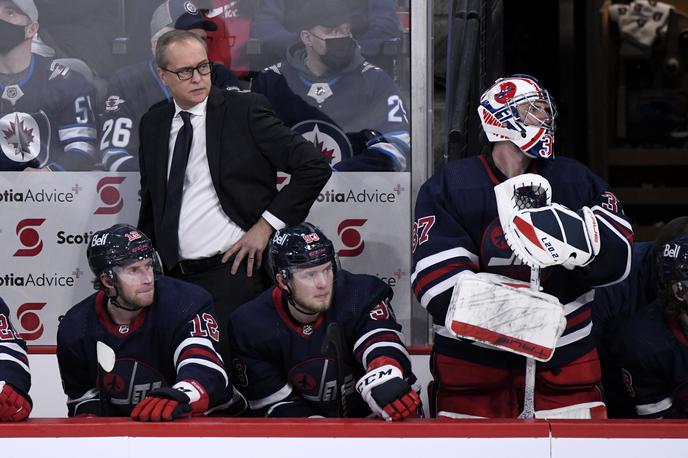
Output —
<point x="168" y="38"/>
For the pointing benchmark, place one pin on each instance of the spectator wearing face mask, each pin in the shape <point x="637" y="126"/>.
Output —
<point x="320" y="86"/>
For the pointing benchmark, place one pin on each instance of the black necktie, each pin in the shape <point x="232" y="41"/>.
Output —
<point x="168" y="244"/>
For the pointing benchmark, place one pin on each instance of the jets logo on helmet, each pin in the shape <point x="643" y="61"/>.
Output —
<point x="506" y="92"/>
<point x="519" y="110"/>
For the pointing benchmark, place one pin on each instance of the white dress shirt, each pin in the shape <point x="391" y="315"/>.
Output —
<point x="204" y="228"/>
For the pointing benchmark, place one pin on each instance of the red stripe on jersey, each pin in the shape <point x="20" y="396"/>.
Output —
<point x="199" y="351"/>
<point x="383" y="361"/>
<point x="382" y="337"/>
<point x="578" y="319"/>
<point x="677" y="331"/>
<point x="619" y="227"/>
<point x="435" y="274"/>
<point x="280" y="302"/>
<point x="489" y="171"/>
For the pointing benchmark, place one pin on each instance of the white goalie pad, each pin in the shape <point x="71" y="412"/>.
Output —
<point x="505" y="314"/>
<point x="585" y="411"/>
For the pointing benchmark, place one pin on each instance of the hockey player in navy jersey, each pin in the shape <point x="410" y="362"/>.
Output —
<point x="326" y="91"/>
<point x="458" y="236"/>
<point x="134" y="89"/>
<point x="15" y="377"/>
<point x="323" y="341"/>
<point x="143" y="345"/>
<point x="651" y="349"/>
<point x="46" y="120"/>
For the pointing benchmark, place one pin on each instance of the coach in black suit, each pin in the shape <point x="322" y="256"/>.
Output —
<point x="208" y="167"/>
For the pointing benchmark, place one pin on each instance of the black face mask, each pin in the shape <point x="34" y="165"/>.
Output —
<point x="338" y="52"/>
<point x="10" y="36"/>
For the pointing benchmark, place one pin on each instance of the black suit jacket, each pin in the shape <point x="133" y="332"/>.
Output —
<point x="246" y="144"/>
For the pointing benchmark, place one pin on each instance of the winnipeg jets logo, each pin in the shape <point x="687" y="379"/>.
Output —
<point x="113" y="102"/>
<point x="507" y="90"/>
<point x="327" y="138"/>
<point x="18" y="137"/>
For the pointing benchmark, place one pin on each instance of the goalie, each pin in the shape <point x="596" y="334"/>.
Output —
<point x="559" y="218"/>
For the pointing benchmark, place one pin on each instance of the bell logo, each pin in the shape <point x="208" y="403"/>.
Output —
<point x="671" y="252"/>
<point x="99" y="240"/>
<point x="30" y="321"/>
<point x="351" y="237"/>
<point x="29" y="237"/>
<point x="109" y="196"/>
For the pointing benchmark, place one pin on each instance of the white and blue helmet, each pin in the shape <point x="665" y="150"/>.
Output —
<point x="532" y="128"/>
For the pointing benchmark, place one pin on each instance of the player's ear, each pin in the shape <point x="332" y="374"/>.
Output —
<point x="106" y="280"/>
<point x="281" y="282"/>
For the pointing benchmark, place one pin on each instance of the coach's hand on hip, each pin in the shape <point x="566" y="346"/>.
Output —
<point x="251" y="246"/>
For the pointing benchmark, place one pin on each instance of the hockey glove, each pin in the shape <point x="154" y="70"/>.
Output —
<point x="167" y="404"/>
<point x="555" y="235"/>
<point x="14" y="406"/>
<point x="388" y="395"/>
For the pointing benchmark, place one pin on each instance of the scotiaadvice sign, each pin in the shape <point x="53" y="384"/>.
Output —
<point x="48" y="219"/>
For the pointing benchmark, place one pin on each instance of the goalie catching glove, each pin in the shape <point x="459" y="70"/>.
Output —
<point x="388" y="395"/>
<point x="13" y="405"/>
<point x="167" y="404"/>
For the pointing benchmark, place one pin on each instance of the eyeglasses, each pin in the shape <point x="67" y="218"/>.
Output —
<point x="186" y="73"/>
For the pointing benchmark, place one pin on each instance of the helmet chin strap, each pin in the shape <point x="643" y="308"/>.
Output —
<point x="113" y="299"/>
<point x="292" y="302"/>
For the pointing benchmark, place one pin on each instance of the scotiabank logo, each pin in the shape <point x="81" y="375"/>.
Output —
<point x="351" y="237"/>
<point x="30" y="321"/>
<point x="109" y="196"/>
<point x="29" y="237"/>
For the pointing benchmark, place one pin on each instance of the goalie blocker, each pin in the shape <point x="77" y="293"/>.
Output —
<point x="540" y="232"/>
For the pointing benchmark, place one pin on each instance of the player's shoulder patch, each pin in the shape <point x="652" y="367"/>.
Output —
<point x="367" y="66"/>
<point x="57" y="69"/>
<point x="382" y="311"/>
<point x="276" y="68"/>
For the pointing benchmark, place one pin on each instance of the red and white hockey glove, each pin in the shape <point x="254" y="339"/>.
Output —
<point x="388" y="395"/>
<point x="13" y="405"/>
<point x="554" y="235"/>
<point x="167" y="404"/>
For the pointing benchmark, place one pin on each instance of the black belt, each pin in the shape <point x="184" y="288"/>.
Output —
<point x="194" y="266"/>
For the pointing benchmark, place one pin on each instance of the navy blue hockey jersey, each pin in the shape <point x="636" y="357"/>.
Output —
<point x="171" y="341"/>
<point x="131" y="92"/>
<point x="654" y="360"/>
<point x="331" y="110"/>
<point x="615" y="304"/>
<point x="457" y="228"/>
<point x="14" y="362"/>
<point x="47" y="119"/>
<point x="281" y="364"/>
